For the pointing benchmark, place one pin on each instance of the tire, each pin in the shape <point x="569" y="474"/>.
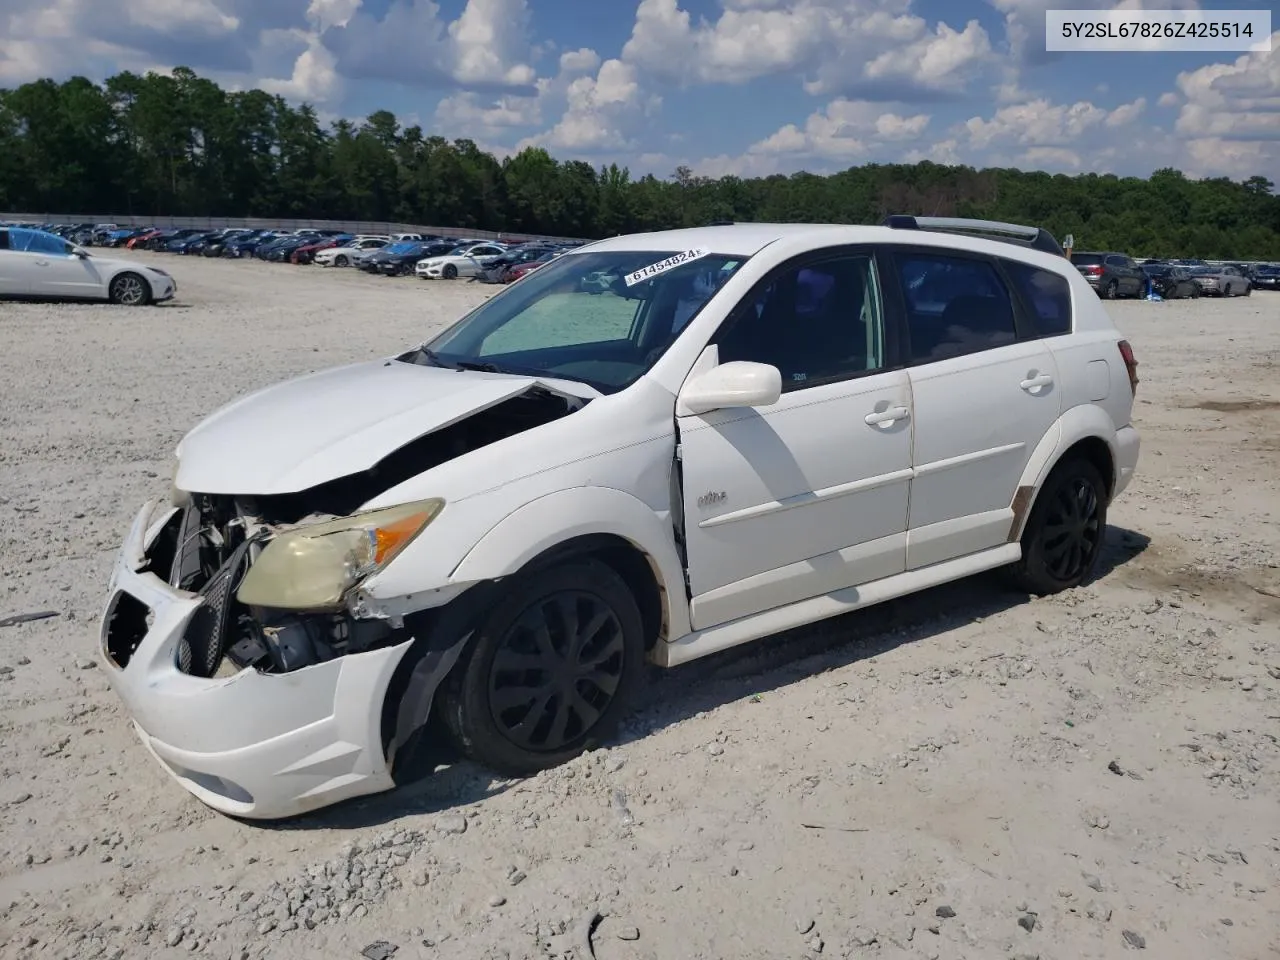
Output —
<point x="1195" y="292"/>
<point x="1110" y="291"/>
<point x="129" y="289"/>
<point x="450" y="272"/>
<point x="1248" y="291"/>
<point x="341" y="261"/>
<point x="506" y="656"/>
<point x="1043" y="568"/>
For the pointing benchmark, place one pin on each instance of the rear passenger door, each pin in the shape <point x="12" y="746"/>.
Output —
<point x="984" y="392"/>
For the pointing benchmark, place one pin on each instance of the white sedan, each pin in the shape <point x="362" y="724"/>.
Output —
<point x="43" y="265"/>
<point x="351" y="253"/>
<point x="468" y="260"/>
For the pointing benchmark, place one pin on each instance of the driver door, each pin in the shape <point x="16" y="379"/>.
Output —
<point x="808" y="495"/>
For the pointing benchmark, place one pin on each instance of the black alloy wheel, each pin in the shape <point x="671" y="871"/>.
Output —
<point x="556" y="671"/>
<point x="1071" y="535"/>
<point x="550" y="668"/>
<point x="1063" y="538"/>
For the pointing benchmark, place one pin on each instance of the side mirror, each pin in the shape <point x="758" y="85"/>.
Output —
<point x="80" y="252"/>
<point x="739" y="383"/>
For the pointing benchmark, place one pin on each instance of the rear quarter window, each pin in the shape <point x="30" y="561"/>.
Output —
<point x="1047" y="295"/>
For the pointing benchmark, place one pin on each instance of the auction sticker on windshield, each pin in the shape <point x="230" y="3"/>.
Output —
<point x="662" y="266"/>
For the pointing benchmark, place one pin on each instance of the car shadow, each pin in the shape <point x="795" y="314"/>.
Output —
<point x="438" y="781"/>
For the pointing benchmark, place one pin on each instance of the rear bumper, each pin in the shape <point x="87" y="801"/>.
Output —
<point x="1128" y="446"/>
<point x="250" y="744"/>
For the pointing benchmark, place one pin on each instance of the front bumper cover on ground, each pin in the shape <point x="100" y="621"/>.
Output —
<point x="254" y="745"/>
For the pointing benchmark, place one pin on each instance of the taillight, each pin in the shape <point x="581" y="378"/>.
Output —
<point x="1094" y="271"/>
<point x="1131" y="364"/>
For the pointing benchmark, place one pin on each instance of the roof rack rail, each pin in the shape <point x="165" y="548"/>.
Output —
<point x="1037" y="238"/>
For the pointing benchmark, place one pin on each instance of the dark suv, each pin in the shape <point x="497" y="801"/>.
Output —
<point x="1111" y="274"/>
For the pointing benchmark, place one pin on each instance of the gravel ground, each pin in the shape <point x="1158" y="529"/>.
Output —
<point x="960" y="773"/>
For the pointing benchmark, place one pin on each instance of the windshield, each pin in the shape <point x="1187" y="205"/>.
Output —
<point x="1086" y="258"/>
<point x="1204" y="271"/>
<point x="601" y="318"/>
<point x="1157" y="269"/>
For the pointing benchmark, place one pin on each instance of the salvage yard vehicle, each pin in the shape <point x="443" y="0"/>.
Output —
<point x="1222" y="281"/>
<point x="752" y="427"/>
<point x="39" y="265"/>
<point x="1111" y="275"/>
<point x="1170" y="281"/>
<point x="465" y="260"/>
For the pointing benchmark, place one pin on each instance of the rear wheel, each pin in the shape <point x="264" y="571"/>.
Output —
<point x="552" y="668"/>
<point x="1064" y="533"/>
<point x="1111" y="290"/>
<point x="129" y="289"/>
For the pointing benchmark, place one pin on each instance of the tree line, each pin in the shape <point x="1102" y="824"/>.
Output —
<point x="179" y="145"/>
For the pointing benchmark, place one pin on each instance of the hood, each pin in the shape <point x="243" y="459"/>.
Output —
<point x="331" y="424"/>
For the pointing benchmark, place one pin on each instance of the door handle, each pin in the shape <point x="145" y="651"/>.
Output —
<point x="42" y="263"/>
<point x="891" y="415"/>
<point x="1041" y="381"/>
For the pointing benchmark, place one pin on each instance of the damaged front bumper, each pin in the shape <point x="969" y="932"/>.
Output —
<point x="247" y="743"/>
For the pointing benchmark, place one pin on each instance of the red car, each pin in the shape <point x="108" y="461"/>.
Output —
<point x="142" y="238"/>
<point x="524" y="269"/>
<point x="308" y="253"/>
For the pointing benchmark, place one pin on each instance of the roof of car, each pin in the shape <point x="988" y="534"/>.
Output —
<point x="747" y="239"/>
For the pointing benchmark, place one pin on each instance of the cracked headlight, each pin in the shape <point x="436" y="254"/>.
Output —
<point x="312" y="567"/>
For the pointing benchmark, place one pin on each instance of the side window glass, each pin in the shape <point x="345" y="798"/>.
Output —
<point x="817" y="324"/>
<point x="4" y="239"/>
<point x="954" y="306"/>
<point x="1047" y="293"/>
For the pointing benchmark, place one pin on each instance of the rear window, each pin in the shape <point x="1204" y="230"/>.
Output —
<point x="1086" y="258"/>
<point x="1048" y="295"/>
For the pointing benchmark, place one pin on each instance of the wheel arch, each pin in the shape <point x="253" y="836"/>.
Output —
<point x="599" y="522"/>
<point x="605" y="522"/>
<point x="1085" y="430"/>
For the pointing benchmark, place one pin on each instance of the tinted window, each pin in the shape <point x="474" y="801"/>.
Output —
<point x="1048" y="295"/>
<point x="954" y="306"/>
<point x="1086" y="258"/>
<point x="816" y="324"/>
<point x="4" y="239"/>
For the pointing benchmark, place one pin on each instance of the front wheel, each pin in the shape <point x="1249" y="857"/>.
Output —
<point x="341" y="261"/>
<point x="450" y="272"/>
<point x="129" y="289"/>
<point x="552" y="668"/>
<point x="1064" y="533"/>
<point x="1248" y="290"/>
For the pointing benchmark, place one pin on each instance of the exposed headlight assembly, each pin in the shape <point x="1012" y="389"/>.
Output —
<point x="312" y="567"/>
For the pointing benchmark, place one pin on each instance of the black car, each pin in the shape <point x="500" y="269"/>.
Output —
<point x="398" y="259"/>
<point x="499" y="270"/>
<point x="1172" y="282"/>
<point x="1111" y="274"/>
<point x="1267" y="277"/>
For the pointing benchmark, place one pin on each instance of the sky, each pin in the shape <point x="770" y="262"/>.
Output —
<point x="745" y="87"/>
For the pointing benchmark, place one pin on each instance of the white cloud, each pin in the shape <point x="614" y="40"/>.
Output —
<point x="840" y="45"/>
<point x="844" y="130"/>
<point x="1126" y="113"/>
<point x="487" y="47"/>
<point x="1169" y="99"/>
<point x="583" y="60"/>
<point x="1236" y="101"/>
<point x="602" y="111"/>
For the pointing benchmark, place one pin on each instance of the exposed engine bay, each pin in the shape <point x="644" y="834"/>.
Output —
<point x="208" y="545"/>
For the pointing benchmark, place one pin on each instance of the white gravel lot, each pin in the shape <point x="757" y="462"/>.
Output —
<point x="927" y="779"/>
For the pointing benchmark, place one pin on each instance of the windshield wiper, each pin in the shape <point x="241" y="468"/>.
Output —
<point x="484" y="366"/>
<point x="435" y="359"/>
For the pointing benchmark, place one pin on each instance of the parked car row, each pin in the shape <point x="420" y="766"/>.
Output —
<point x="1113" y="275"/>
